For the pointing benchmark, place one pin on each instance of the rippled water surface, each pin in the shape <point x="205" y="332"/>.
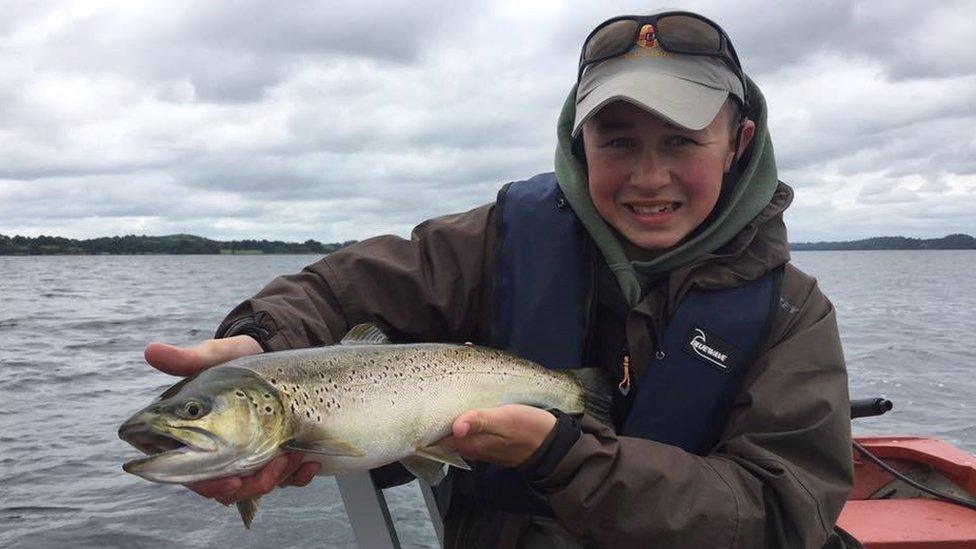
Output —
<point x="72" y="330"/>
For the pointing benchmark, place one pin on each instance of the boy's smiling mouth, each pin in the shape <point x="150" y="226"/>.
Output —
<point x="654" y="209"/>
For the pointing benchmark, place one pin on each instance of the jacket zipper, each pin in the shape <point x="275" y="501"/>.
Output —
<point x="624" y="385"/>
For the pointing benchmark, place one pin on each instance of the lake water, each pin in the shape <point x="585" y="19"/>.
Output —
<point x="72" y="330"/>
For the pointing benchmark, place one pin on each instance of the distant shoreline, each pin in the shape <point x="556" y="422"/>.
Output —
<point x="186" y="244"/>
<point x="950" y="242"/>
<point x="177" y="244"/>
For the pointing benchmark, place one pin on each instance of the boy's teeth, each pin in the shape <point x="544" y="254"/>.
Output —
<point x="659" y="208"/>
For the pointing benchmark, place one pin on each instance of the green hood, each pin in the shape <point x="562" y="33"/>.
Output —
<point x="750" y="194"/>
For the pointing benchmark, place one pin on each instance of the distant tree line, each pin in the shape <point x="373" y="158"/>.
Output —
<point x="950" y="242"/>
<point x="179" y="244"/>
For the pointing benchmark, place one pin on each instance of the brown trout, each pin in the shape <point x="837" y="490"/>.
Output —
<point x="350" y="407"/>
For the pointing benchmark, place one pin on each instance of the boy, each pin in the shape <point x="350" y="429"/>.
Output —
<point x="656" y="251"/>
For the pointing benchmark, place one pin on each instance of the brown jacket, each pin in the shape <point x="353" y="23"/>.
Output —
<point x="781" y="471"/>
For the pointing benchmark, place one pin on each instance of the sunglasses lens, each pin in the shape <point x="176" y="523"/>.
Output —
<point x="613" y="39"/>
<point x="684" y="34"/>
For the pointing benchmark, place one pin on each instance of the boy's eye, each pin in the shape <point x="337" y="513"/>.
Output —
<point x="620" y="143"/>
<point x="680" y="140"/>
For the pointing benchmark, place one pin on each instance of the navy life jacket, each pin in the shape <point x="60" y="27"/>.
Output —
<point x="685" y="393"/>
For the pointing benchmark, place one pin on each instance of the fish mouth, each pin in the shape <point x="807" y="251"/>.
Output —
<point x="164" y="441"/>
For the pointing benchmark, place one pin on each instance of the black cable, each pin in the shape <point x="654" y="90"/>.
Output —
<point x="947" y="497"/>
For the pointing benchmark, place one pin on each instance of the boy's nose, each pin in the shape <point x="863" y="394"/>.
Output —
<point x="650" y="172"/>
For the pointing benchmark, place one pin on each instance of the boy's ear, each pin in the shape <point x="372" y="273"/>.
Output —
<point x="746" y="131"/>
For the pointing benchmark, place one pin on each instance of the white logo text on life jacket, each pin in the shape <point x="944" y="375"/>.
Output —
<point x="709" y="348"/>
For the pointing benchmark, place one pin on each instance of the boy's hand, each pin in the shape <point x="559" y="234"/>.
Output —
<point x="285" y="470"/>
<point x="507" y="435"/>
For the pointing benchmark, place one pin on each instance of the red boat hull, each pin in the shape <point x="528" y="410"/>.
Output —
<point x="912" y="522"/>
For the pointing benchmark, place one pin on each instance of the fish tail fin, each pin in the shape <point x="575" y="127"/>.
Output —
<point x="248" y="508"/>
<point x="597" y="392"/>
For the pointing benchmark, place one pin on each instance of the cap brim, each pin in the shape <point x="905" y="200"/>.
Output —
<point x="681" y="102"/>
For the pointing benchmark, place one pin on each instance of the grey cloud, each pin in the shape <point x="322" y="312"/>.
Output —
<point x="370" y="28"/>
<point x="930" y="41"/>
<point x="236" y="51"/>
<point x="886" y="195"/>
<point x="768" y="36"/>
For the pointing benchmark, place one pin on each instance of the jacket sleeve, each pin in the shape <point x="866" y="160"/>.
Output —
<point x="431" y="287"/>
<point x="778" y="477"/>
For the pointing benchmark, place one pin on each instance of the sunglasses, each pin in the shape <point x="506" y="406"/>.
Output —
<point x="675" y="31"/>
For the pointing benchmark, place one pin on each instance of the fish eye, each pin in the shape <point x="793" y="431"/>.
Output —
<point x="193" y="410"/>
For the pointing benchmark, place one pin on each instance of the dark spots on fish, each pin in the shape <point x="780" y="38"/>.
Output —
<point x="293" y="408"/>
<point x="321" y="400"/>
<point x="267" y="409"/>
<point x="281" y="370"/>
<point x="240" y="394"/>
<point x="274" y="381"/>
<point x="266" y="395"/>
<point x="309" y="414"/>
<point x="321" y="375"/>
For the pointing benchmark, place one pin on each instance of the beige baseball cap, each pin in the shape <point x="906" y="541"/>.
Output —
<point x="686" y="90"/>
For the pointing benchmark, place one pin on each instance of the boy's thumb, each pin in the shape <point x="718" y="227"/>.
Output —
<point x="185" y="361"/>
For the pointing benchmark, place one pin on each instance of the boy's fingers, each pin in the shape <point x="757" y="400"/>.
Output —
<point x="218" y="351"/>
<point x="306" y="472"/>
<point x="173" y="360"/>
<point x="184" y="361"/>
<point x="472" y="422"/>
<point x="217" y="487"/>
<point x="294" y="462"/>
<point x="266" y="479"/>
<point x="263" y="481"/>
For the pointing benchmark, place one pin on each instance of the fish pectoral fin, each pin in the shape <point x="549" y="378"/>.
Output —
<point x="248" y="508"/>
<point x="430" y="471"/>
<point x="444" y="455"/>
<point x="365" y="334"/>
<point x="324" y="447"/>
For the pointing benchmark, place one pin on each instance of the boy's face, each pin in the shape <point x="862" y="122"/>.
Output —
<point x="654" y="182"/>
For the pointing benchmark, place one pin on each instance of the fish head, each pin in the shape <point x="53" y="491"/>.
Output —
<point x="224" y="421"/>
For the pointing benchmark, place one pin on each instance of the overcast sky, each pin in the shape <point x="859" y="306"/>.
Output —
<point x="335" y="121"/>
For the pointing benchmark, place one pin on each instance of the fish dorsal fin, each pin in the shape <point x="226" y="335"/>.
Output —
<point x="365" y="334"/>
<point x="324" y="447"/>
<point x="248" y="508"/>
<point x="444" y="455"/>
